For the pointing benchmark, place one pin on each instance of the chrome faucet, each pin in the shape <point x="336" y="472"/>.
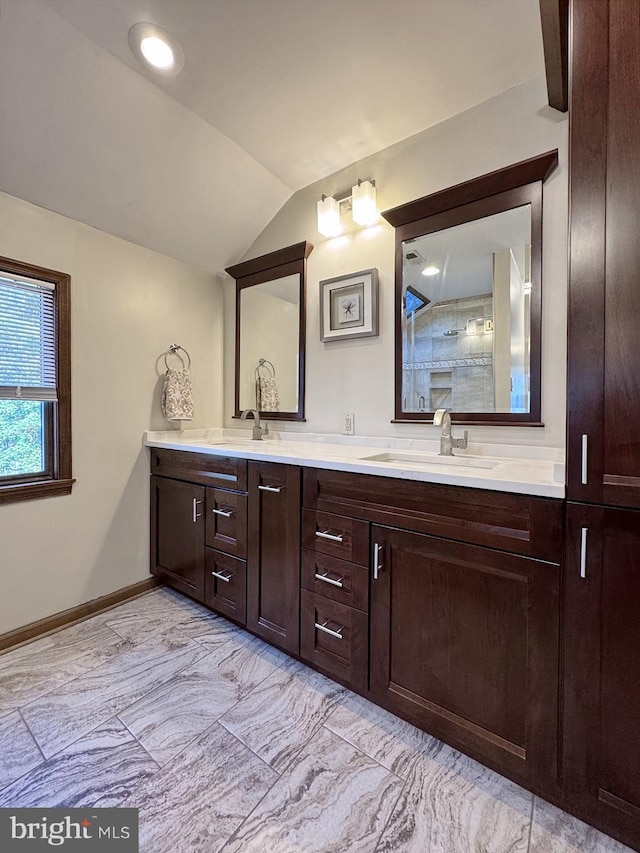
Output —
<point x="442" y="418"/>
<point x="258" y="429"/>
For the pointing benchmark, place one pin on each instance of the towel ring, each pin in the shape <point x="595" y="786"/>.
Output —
<point x="268" y="366"/>
<point x="174" y="350"/>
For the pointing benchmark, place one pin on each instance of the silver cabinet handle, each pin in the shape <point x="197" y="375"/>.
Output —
<point x="324" y="534"/>
<point x="377" y="565"/>
<point x="326" y="630"/>
<point x="270" y="488"/>
<point x="225" y="578"/>
<point x="585" y="441"/>
<point x="327" y="579"/>
<point x="225" y="513"/>
<point x="196" y="515"/>
<point x="583" y="552"/>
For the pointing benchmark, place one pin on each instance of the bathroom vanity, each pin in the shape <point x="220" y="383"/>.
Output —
<point x="439" y="602"/>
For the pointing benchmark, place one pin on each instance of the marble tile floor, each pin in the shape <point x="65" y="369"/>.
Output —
<point x="225" y="744"/>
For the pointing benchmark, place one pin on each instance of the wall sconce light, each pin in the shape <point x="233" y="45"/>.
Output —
<point x="363" y="203"/>
<point x="329" y="217"/>
<point x="359" y="199"/>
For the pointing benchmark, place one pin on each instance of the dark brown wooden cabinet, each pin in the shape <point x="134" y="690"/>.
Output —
<point x="334" y="623"/>
<point x="602" y="666"/>
<point x="199" y="527"/>
<point x="177" y="534"/>
<point x="273" y="554"/>
<point x="464" y="622"/>
<point x="464" y="643"/>
<point x="604" y="298"/>
<point x="601" y="645"/>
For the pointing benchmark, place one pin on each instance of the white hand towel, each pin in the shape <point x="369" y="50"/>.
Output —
<point x="177" y="395"/>
<point x="268" y="397"/>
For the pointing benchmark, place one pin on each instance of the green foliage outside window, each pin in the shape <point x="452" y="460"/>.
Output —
<point x="21" y="449"/>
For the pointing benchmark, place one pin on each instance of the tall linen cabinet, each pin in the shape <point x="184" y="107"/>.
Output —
<point x="601" y="654"/>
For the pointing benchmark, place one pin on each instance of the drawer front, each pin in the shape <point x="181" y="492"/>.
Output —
<point x="335" y="638"/>
<point x="336" y="535"/>
<point x="521" y="524"/>
<point x="225" y="472"/>
<point x="336" y="579"/>
<point x="225" y="587"/>
<point x="227" y="522"/>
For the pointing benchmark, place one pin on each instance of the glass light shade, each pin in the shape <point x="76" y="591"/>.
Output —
<point x="363" y="200"/>
<point x="329" y="217"/>
<point x="157" y="52"/>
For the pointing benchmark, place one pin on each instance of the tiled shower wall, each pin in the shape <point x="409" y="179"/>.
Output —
<point x="452" y="371"/>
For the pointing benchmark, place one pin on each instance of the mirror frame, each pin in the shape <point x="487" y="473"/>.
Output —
<point x="495" y="192"/>
<point x="283" y="262"/>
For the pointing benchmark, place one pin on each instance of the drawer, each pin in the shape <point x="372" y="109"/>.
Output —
<point x="522" y="524"/>
<point x="336" y="579"/>
<point x="335" y="638"/>
<point x="225" y="586"/>
<point x="336" y="535"/>
<point x="225" y="472"/>
<point x="226" y="528"/>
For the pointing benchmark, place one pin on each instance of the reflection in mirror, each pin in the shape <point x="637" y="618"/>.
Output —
<point x="269" y="363"/>
<point x="270" y="333"/>
<point x="468" y="303"/>
<point x="466" y="316"/>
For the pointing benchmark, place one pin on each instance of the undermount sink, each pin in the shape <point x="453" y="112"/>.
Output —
<point x="215" y="442"/>
<point x="398" y="458"/>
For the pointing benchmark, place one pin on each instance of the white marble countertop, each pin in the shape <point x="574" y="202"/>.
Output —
<point x="526" y="470"/>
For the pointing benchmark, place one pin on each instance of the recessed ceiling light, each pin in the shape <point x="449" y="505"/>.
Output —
<point x="156" y="48"/>
<point x="431" y="271"/>
<point x="157" y="52"/>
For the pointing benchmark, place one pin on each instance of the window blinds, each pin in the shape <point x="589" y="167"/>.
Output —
<point x="27" y="339"/>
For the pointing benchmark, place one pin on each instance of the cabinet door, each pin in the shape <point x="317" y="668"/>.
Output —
<point x="464" y="643"/>
<point x="273" y="554"/>
<point x="603" y="452"/>
<point x="602" y="666"/>
<point x="177" y="534"/>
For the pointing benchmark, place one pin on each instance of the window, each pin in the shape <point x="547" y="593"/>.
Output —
<point x="35" y="382"/>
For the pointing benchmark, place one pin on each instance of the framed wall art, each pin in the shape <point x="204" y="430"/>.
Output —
<point x="349" y="306"/>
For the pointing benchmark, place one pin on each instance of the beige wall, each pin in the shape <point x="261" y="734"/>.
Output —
<point x="128" y="305"/>
<point x="510" y="127"/>
<point x="270" y="330"/>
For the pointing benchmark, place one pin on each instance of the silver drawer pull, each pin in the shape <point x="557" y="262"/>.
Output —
<point x="585" y="461"/>
<point x="326" y="630"/>
<point x="196" y="515"/>
<point x="327" y="579"/>
<point x="324" y="534"/>
<point x="583" y="552"/>
<point x="225" y="513"/>
<point x="225" y="578"/>
<point x="270" y="488"/>
<point x="377" y="565"/>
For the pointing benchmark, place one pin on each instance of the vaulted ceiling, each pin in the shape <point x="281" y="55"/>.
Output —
<point x="274" y="94"/>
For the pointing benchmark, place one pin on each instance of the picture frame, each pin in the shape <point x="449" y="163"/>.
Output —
<point x="349" y="306"/>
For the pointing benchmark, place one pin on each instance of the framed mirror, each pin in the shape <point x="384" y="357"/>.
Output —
<point x="468" y="299"/>
<point x="270" y="333"/>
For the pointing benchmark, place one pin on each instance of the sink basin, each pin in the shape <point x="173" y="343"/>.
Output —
<point x="220" y="442"/>
<point x="398" y="458"/>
